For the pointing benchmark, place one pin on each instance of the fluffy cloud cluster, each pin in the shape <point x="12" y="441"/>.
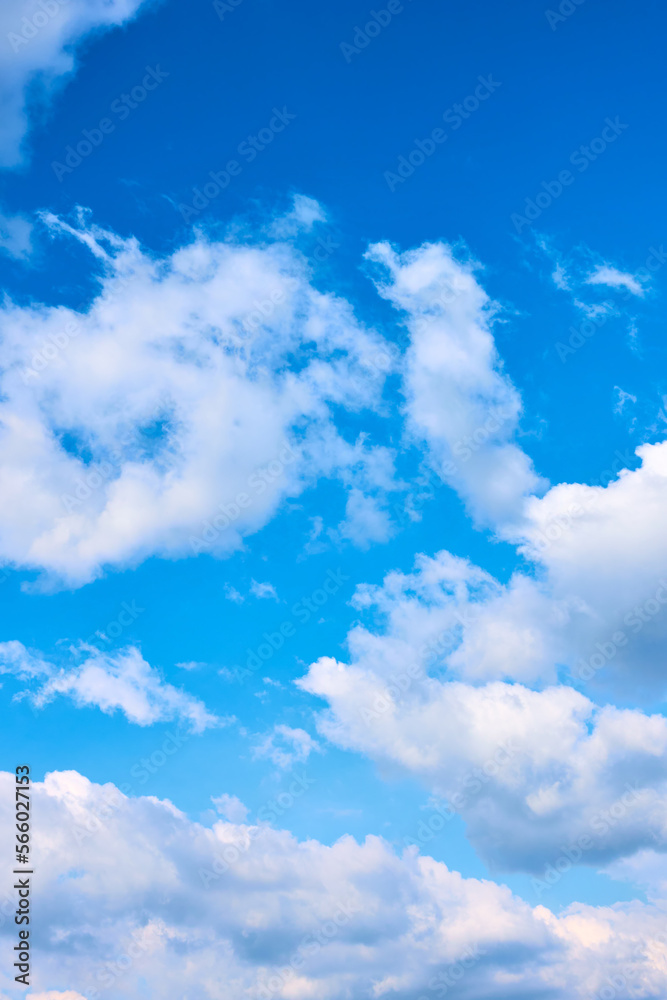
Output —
<point x="42" y="36"/>
<point x="123" y="681"/>
<point x="458" y="399"/>
<point x="135" y="897"/>
<point x="598" y="593"/>
<point x="174" y="414"/>
<point x="531" y="772"/>
<point x="603" y="549"/>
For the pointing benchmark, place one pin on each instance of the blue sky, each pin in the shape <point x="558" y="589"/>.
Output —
<point x="332" y="426"/>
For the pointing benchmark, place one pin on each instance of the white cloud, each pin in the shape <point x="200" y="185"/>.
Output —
<point x="135" y="898"/>
<point x="263" y="591"/>
<point x="55" y="995"/>
<point x="303" y="215"/>
<point x="622" y="397"/>
<point x="459" y="401"/>
<point x="40" y="40"/>
<point x="449" y="610"/>
<point x="597" y="311"/>
<point x="564" y="760"/>
<point x="121" y="681"/>
<point x="232" y="594"/>
<point x="286" y="746"/>
<point x="175" y="415"/>
<point x="231" y="808"/>
<point x="603" y="550"/>
<point x="560" y="278"/>
<point x="366" y="521"/>
<point x="15" y="235"/>
<point x="530" y="772"/>
<point x="607" y="274"/>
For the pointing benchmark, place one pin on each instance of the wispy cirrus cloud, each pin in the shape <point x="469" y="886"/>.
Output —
<point x="340" y="919"/>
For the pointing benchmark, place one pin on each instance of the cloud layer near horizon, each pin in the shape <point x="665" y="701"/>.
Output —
<point x="131" y="891"/>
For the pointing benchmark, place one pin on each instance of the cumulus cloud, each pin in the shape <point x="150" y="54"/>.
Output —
<point x="42" y="39"/>
<point x="286" y="746"/>
<point x="176" y="413"/>
<point x="366" y="521"/>
<point x="451" y="611"/>
<point x="595" y="604"/>
<point x="133" y="896"/>
<point x="603" y="549"/>
<point x="530" y="771"/>
<point x="121" y="681"/>
<point x="458" y="399"/>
